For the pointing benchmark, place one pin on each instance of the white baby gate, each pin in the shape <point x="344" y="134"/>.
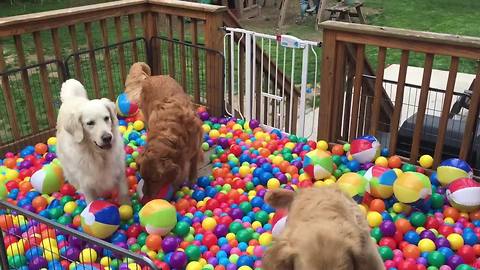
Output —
<point x="261" y="72"/>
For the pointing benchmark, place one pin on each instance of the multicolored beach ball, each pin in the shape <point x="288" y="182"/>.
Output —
<point x="451" y="169"/>
<point x="381" y="181"/>
<point x="411" y="187"/>
<point x="464" y="194"/>
<point x="158" y="217"/>
<point x="100" y="219"/>
<point x="318" y="164"/>
<point x="49" y="179"/>
<point x="365" y="149"/>
<point x="354" y="185"/>
<point x="126" y="107"/>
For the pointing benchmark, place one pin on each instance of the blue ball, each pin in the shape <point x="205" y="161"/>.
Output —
<point x="470" y="238"/>
<point x="33" y="252"/>
<point x="203" y="181"/>
<point x="267" y="167"/>
<point x="198" y="195"/>
<point x="385" y="152"/>
<point x="411" y="237"/>
<point x="256" y="202"/>
<point x="447" y="252"/>
<point x="245" y="260"/>
<point x="353" y="165"/>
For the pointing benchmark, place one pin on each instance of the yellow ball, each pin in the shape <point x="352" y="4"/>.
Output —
<point x="456" y="241"/>
<point x="277" y="160"/>
<point x="51" y="254"/>
<point x="363" y="208"/>
<point x="194" y="266"/>
<point x="318" y="184"/>
<point x="250" y="250"/>
<point x="214" y="134"/>
<point x="381" y="161"/>
<point x="265" y="239"/>
<point x="209" y="223"/>
<point x="134" y="266"/>
<point x="322" y="145"/>
<point x="302" y="177"/>
<point x="138" y="125"/>
<point x="16" y="249"/>
<point x="88" y="255"/>
<point x="329" y="181"/>
<point x="449" y="220"/>
<point x="122" y="129"/>
<point x="273" y="183"/>
<point x="126" y="212"/>
<point x="69" y="207"/>
<point x="374" y="219"/>
<point x="397" y="207"/>
<point x="245" y="268"/>
<point x="230" y="236"/>
<point x="256" y="224"/>
<point x="419" y="230"/>
<point x="398" y="171"/>
<point x="206" y="128"/>
<point x="52" y="141"/>
<point x="49" y="244"/>
<point x="237" y="127"/>
<point x="244" y="171"/>
<point x="426" y="245"/>
<point x="426" y="161"/>
<point x="290" y="145"/>
<point x="105" y="261"/>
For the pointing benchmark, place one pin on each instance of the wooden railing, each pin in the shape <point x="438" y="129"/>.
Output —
<point x="341" y="112"/>
<point x="34" y="46"/>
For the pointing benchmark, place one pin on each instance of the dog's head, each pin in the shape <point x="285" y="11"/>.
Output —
<point x="157" y="168"/>
<point x="309" y="242"/>
<point x="94" y="122"/>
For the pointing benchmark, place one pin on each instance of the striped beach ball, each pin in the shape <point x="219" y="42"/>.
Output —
<point x="318" y="164"/>
<point x="49" y="179"/>
<point x="464" y="194"/>
<point x="126" y="107"/>
<point x="354" y="185"/>
<point x="381" y="181"/>
<point x="100" y="219"/>
<point x="411" y="187"/>
<point x="158" y="217"/>
<point x="365" y="149"/>
<point x="451" y="169"/>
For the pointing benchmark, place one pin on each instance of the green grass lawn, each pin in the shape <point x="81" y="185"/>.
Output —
<point x="17" y="7"/>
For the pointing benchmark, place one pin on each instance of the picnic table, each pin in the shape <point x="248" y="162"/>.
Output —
<point x="344" y="12"/>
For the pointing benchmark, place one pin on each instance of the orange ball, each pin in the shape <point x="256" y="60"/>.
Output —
<point x="403" y="225"/>
<point x="411" y="251"/>
<point x="6" y="222"/>
<point x="39" y="203"/>
<point x="153" y="242"/>
<point x="377" y="205"/>
<point x="394" y="162"/>
<point x="10" y="163"/>
<point x="77" y="221"/>
<point x="25" y="186"/>
<point x="337" y="149"/>
<point x="41" y="148"/>
<point x="475" y="215"/>
<point x="451" y="213"/>
<point x="182" y="205"/>
<point x="476" y="248"/>
<point x="132" y="180"/>
<point x="48" y="233"/>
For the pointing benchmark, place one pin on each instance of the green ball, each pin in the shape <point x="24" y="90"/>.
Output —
<point x="337" y="159"/>
<point x="137" y="208"/>
<point x="65" y="220"/>
<point x="135" y="247"/>
<point x="262" y="217"/>
<point x="56" y="212"/>
<point x="346" y="147"/>
<point x="386" y="253"/>
<point x="293" y="138"/>
<point x="245" y="207"/>
<point x="288" y="157"/>
<point x="376" y="234"/>
<point x="182" y="228"/>
<point x="302" y="140"/>
<point x="77" y="211"/>
<point x="464" y="267"/>
<point x="436" y="258"/>
<point x="337" y="173"/>
<point x="409" y="168"/>
<point x="249" y="186"/>
<point x="208" y="213"/>
<point x="244" y="235"/>
<point x="66" y="199"/>
<point x="432" y="268"/>
<point x="418" y="219"/>
<point x="115" y="263"/>
<point x="235" y="227"/>
<point x="437" y="201"/>
<point x="160" y="256"/>
<point x="142" y="237"/>
<point x="193" y="253"/>
<point x="17" y="261"/>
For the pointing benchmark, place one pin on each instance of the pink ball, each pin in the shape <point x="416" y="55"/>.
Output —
<point x="235" y="250"/>
<point x="257" y="264"/>
<point x="258" y="251"/>
<point x="445" y="267"/>
<point x="389" y="264"/>
<point x="131" y="241"/>
<point x="397" y="253"/>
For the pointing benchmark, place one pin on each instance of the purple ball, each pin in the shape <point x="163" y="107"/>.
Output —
<point x="178" y="260"/>
<point x="454" y="261"/>
<point x="236" y="213"/>
<point x="72" y="253"/>
<point x="213" y="261"/>
<point x="196" y="220"/>
<point x="298" y="164"/>
<point x="223" y="121"/>
<point x="97" y="248"/>
<point x="74" y="241"/>
<point x="231" y="266"/>
<point x="388" y="228"/>
<point x="38" y="263"/>
<point x="169" y="244"/>
<point x="223" y="142"/>
<point x="442" y="242"/>
<point x="214" y="119"/>
<point x="220" y="230"/>
<point x="226" y="248"/>
<point x="15" y="231"/>
<point x="253" y="124"/>
<point x="282" y="178"/>
<point x="122" y="245"/>
<point x="29" y="208"/>
<point x="427" y="234"/>
<point x="261" y="193"/>
<point x="204" y="116"/>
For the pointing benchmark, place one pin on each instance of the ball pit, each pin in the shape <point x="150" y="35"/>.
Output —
<point x="222" y="222"/>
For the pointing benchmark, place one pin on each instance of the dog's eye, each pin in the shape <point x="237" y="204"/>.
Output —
<point x="90" y="123"/>
<point x="106" y="118"/>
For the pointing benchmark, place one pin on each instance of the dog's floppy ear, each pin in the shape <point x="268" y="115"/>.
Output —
<point x="279" y="255"/>
<point x="279" y="198"/>
<point x="73" y="125"/>
<point x="112" y="110"/>
<point x="133" y="84"/>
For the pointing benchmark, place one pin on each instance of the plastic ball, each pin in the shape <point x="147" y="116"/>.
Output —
<point x="49" y="179"/>
<point x="426" y="245"/>
<point x="365" y="149"/>
<point x="100" y="219"/>
<point x="381" y="181"/>
<point x="354" y="185"/>
<point x="158" y="217"/>
<point x="456" y="241"/>
<point x="411" y="187"/>
<point x="426" y="161"/>
<point x="374" y="219"/>
<point x="318" y="164"/>
<point x="464" y="194"/>
<point x="452" y="169"/>
<point x="126" y="212"/>
<point x="88" y="255"/>
<point x="126" y="107"/>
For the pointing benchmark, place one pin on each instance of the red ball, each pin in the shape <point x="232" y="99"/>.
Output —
<point x="67" y="189"/>
<point x="389" y="242"/>
<point x="9" y="239"/>
<point x="11" y="185"/>
<point x="134" y="230"/>
<point x="467" y="253"/>
<point x="209" y="239"/>
<point x="432" y="223"/>
<point x="445" y="230"/>
<point x="162" y="265"/>
<point x="236" y="150"/>
<point x="212" y="204"/>
<point x="407" y="265"/>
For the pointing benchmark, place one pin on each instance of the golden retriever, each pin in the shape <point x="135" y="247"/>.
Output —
<point x="325" y="230"/>
<point x="173" y="148"/>
<point x="89" y="144"/>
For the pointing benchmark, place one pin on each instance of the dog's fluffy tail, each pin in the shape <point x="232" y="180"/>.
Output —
<point x="133" y="85"/>
<point x="72" y="88"/>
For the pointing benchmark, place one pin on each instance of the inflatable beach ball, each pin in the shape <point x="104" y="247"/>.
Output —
<point x="158" y="217"/>
<point x="49" y="179"/>
<point x="100" y="219"/>
<point x="464" y="194"/>
<point x="365" y="149"/>
<point x="279" y="221"/>
<point x="381" y="181"/>
<point x="126" y="107"/>
<point x="318" y="164"/>
<point x="354" y="185"/>
<point x="411" y="187"/>
<point x="452" y="169"/>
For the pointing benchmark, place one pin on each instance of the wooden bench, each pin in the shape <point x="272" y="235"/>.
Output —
<point x="343" y="12"/>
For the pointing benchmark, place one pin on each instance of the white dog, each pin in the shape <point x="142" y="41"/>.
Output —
<point x="89" y="144"/>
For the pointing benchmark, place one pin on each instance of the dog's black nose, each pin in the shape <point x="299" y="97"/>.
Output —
<point x="106" y="138"/>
